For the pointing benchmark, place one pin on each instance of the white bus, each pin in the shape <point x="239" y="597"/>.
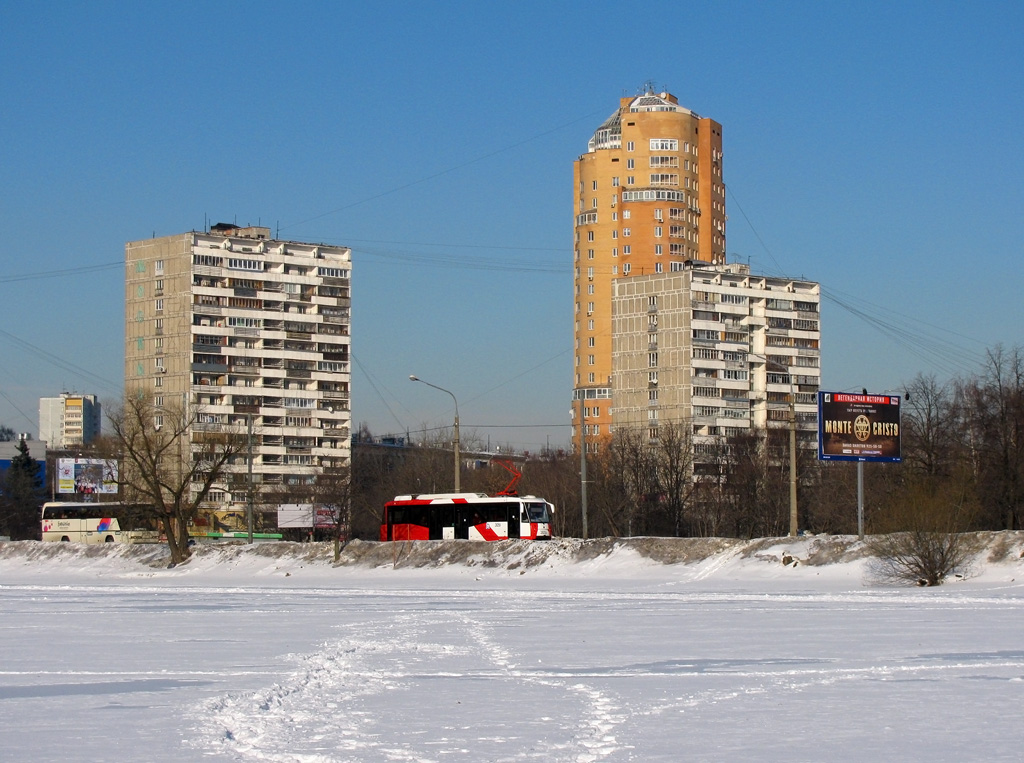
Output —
<point x="98" y="523"/>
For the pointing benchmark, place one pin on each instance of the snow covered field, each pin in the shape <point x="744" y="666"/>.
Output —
<point x="239" y="655"/>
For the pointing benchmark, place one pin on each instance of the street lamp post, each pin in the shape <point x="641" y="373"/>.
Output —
<point x="456" y="438"/>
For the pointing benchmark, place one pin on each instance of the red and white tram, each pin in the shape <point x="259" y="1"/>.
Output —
<point x="473" y="516"/>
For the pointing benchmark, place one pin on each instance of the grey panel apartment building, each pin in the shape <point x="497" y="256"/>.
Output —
<point x="240" y="327"/>
<point x="717" y="348"/>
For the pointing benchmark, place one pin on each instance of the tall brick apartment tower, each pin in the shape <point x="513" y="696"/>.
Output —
<point x="649" y="198"/>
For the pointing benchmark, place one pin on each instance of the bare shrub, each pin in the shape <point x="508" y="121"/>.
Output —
<point x="923" y="539"/>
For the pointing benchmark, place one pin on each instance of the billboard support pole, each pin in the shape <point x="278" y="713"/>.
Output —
<point x="860" y="500"/>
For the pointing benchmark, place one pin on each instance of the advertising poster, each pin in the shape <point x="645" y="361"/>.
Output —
<point x="86" y="476"/>
<point x="858" y="427"/>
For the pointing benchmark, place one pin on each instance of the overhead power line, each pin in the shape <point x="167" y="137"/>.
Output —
<point x="443" y="172"/>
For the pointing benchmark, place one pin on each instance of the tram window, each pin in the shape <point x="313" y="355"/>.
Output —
<point x="537" y="512"/>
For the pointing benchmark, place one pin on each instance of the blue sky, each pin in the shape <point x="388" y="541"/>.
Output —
<point x="873" y="147"/>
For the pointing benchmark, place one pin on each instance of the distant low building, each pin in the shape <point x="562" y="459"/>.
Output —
<point x="69" y="421"/>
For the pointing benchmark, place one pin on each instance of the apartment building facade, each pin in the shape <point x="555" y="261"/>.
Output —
<point x="649" y="197"/>
<point x="718" y="349"/>
<point x="245" y="330"/>
<point x="70" y="420"/>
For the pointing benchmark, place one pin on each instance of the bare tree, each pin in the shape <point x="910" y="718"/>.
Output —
<point x="930" y="437"/>
<point x="994" y="413"/>
<point x="631" y="458"/>
<point x="673" y="463"/>
<point x="922" y="536"/>
<point x="170" y="463"/>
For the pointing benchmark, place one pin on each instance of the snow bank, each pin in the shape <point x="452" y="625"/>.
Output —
<point x="824" y="557"/>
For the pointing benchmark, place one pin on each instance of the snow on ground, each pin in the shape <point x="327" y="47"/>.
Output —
<point x="646" y="649"/>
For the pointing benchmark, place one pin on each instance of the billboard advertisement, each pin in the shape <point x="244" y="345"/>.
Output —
<point x="858" y="427"/>
<point x="305" y="515"/>
<point x="86" y="476"/>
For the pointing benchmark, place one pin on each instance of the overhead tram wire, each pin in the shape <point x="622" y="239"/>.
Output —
<point x="63" y="272"/>
<point x="945" y="356"/>
<point x="373" y="385"/>
<point x="443" y="172"/>
<point x="61" y="363"/>
<point x="15" y="407"/>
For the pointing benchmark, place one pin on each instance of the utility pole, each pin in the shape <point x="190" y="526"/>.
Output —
<point x="249" y="497"/>
<point x="583" y="472"/>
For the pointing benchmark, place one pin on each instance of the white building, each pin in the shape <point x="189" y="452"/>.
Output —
<point x="69" y="421"/>
<point x="246" y="328"/>
<point x="717" y="348"/>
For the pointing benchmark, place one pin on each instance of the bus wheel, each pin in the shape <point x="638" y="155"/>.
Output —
<point x="110" y="539"/>
<point x="65" y="539"/>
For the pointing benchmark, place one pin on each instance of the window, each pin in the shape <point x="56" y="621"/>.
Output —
<point x="235" y="263"/>
<point x="590" y="360"/>
<point x="158" y="267"/>
<point x="664" y="179"/>
<point x="590" y="341"/>
<point x="615" y="182"/>
<point x="664" y="144"/>
<point x="652" y="359"/>
<point x="332" y="272"/>
<point x="630" y="146"/>
<point x="160" y="305"/>
<point x="625" y="269"/>
<point x="630" y="164"/>
<point x="626" y="249"/>
<point x="245" y="322"/>
<point x="590" y="235"/>
<point x="654" y="195"/>
<point x="626" y="232"/>
<point x="657" y="248"/>
<point x="657" y="231"/>
<point x="657" y="267"/>
<point x="629" y="181"/>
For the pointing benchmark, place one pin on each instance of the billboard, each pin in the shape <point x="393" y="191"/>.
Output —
<point x="86" y="476"/>
<point x="858" y="427"/>
<point x="305" y="515"/>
